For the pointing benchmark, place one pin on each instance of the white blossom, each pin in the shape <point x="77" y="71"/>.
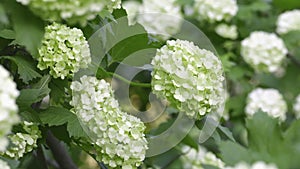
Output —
<point x="76" y="11"/>
<point x="215" y="10"/>
<point x="64" y="51"/>
<point x="132" y="9"/>
<point x="190" y="78"/>
<point x="288" y="21"/>
<point x="256" y="165"/>
<point x="23" y="142"/>
<point x="193" y="159"/>
<point x="266" y="100"/>
<point x="8" y="106"/>
<point x="265" y="52"/>
<point x="161" y="18"/>
<point x="227" y="31"/>
<point x="4" y="165"/>
<point x="297" y="107"/>
<point x="117" y="136"/>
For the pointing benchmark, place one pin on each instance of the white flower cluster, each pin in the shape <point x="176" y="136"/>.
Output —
<point x="297" y="107"/>
<point x="160" y="18"/>
<point x="213" y="11"/>
<point x="267" y="100"/>
<point x="265" y="52"/>
<point x="132" y="9"/>
<point x="288" y="21"/>
<point x="227" y="31"/>
<point x="256" y="165"/>
<point x="23" y="142"/>
<point x="8" y="107"/>
<point x="4" y="165"/>
<point x="190" y="78"/>
<point x="117" y="136"/>
<point x="64" y="51"/>
<point x="194" y="159"/>
<point x="76" y="11"/>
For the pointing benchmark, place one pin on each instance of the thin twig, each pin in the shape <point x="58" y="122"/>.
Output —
<point x="59" y="152"/>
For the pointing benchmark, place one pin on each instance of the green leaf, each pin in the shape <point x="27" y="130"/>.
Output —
<point x="209" y="167"/>
<point x="4" y="21"/>
<point x="286" y="4"/>
<point x="29" y="28"/>
<point x="188" y="140"/>
<point x="292" y="42"/>
<point x="57" y="93"/>
<point x="292" y="138"/>
<point x="265" y="142"/>
<point x="226" y="132"/>
<point x="263" y="132"/>
<point x="56" y="116"/>
<point x="232" y="153"/>
<point x="29" y="96"/>
<point x="26" y="68"/>
<point x="75" y="128"/>
<point x="121" y="39"/>
<point x="7" y="34"/>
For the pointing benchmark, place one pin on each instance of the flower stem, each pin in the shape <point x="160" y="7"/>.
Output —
<point x="146" y="85"/>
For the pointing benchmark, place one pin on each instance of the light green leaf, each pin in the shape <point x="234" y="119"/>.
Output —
<point x="232" y="153"/>
<point x="226" y="132"/>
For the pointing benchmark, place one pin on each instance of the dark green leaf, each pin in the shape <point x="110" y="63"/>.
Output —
<point x="29" y="29"/>
<point x="26" y="68"/>
<point x="56" y="116"/>
<point x="57" y="94"/>
<point x="188" y="140"/>
<point x="7" y="34"/>
<point x="29" y="96"/>
<point x="75" y="128"/>
<point x="286" y="4"/>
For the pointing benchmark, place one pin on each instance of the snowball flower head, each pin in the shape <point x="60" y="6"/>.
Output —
<point x="263" y="51"/>
<point x="117" y="136"/>
<point x="4" y="165"/>
<point x="190" y="78"/>
<point x="132" y="9"/>
<point x="288" y="21"/>
<point x="76" y="11"/>
<point x="8" y="106"/>
<point x="227" y="31"/>
<point x="213" y="11"/>
<point x="193" y="159"/>
<point x="256" y="165"/>
<point x="297" y="107"/>
<point x="22" y="143"/>
<point x="160" y="18"/>
<point x="64" y="51"/>
<point x="267" y="100"/>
